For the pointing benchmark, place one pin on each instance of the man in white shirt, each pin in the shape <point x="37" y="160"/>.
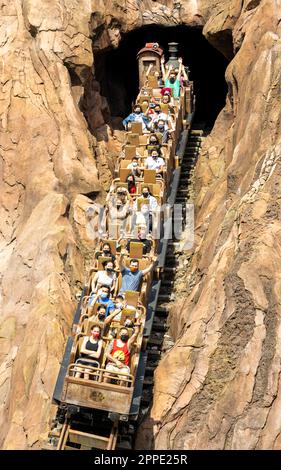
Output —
<point x="155" y="162"/>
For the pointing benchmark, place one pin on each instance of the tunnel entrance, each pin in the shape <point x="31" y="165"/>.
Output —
<point x="117" y="70"/>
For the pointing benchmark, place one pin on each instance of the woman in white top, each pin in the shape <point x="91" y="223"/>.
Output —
<point x="107" y="277"/>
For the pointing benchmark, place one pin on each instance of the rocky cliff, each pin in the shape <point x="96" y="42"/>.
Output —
<point x="56" y="158"/>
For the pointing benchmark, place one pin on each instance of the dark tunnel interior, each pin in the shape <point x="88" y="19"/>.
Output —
<point x="117" y="69"/>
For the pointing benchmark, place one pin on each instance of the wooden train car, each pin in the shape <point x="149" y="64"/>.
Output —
<point x="149" y="58"/>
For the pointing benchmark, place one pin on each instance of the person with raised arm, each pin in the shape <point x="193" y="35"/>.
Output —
<point x="173" y="80"/>
<point x="132" y="276"/>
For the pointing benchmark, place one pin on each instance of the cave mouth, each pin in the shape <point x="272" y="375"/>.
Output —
<point x="116" y="70"/>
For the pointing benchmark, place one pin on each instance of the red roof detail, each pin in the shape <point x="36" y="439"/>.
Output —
<point x="151" y="47"/>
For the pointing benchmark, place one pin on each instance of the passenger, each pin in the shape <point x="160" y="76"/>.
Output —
<point x="168" y="92"/>
<point x="144" y="238"/>
<point x="159" y="79"/>
<point x="147" y="209"/>
<point x="155" y="162"/>
<point x="131" y="183"/>
<point x="173" y="81"/>
<point x="166" y="100"/>
<point x="102" y="297"/>
<point x="90" y="352"/>
<point x="160" y="116"/>
<point x="161" y="127"/>
<point x="132" y="276"/>
<point x="119" y="305"/>
<point x="145" y="107"/>
<point x="106" y="252"/>
<point x="119" y="205"/>
<point x="104" y="321"/>
<point x="135" y="167"/>
<point x="106" y="277"/>
<point x="118" y="354"/>
<point x="153" y="140"/>
<point x="137" y="116"/>
<point x="150" y="110"/>
<point x="183" y="77"/>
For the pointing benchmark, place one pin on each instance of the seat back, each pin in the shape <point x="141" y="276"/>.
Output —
<point x="132" y="138"/>
<point x="93" y="309"/>
<point x="119" y="184"/>
<point x="136" y="127"/>
<point x="156" y="191"/>
<point x="144" y="106"/>
<point x="123" y="173"/>
<point x="130" y="151"/>
<point x="141" y="151"/>
<point x="152" y="81"/>
<point x="142" y="201"/>
<point x="149" y="185"/>
<point x="156" y="92"/>
<point x="144" y="97"/>
<point x="124" y="164"/>
<point x="127" y="314"/>
<point x="165" y="108"/>
<point x="136" y="250"/>
<point x="89" y="325"/>
<point x="113" y="230"/>
<point x="143" y="139"/>
<point x="132" y="297"/>
<point x="101" y="260"/>
<point x="149" y="176"/>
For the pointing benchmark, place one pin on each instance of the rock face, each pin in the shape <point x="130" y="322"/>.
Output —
<point x="56" y="158"/>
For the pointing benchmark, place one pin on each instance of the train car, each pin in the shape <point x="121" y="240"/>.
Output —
<point x="92" y="391"/>
<point x="149" y="58"/>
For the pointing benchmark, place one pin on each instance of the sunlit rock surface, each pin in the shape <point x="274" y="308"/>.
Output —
<point x="219" y="386"/>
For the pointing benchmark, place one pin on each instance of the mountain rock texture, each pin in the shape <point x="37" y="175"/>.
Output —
<point x="219" y="385"/>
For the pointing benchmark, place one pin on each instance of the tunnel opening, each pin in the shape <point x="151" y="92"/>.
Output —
<point x="116" y="70"/>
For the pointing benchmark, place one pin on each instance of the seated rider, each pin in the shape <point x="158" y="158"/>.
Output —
<point x="147" y="209"/>
<point x="90" y="352"/>
<point x="119" y="352"/>
<point x="132" y="276"/>
<point x="105" y="252"/>
<point x="135" y="167"/>
<point x="132" y="188"/>
<point x="102" y="297"/>
<point x="137" y="116"/>
<point x="104" y="321"/>
<point x="106" y="277"/>
<point x="155" y="162"/>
